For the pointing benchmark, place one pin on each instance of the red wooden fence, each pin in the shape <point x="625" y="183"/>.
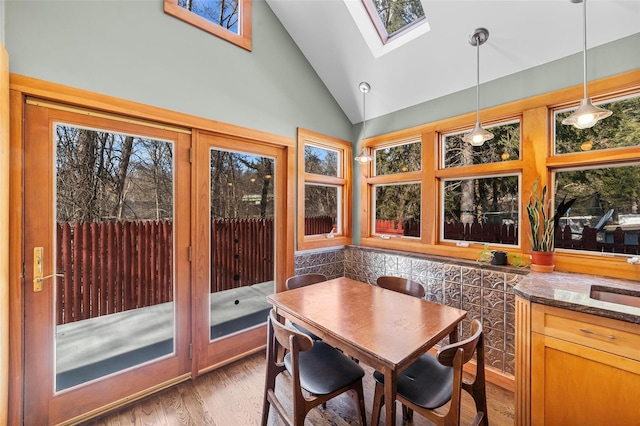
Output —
<point x="620" y="241"/>
<point x="110" y="267"/>
<point x="318" y="225"/>
<point x="482" y="232"/>
<point x="242" y="252"/>
<point x="407" y="228"/>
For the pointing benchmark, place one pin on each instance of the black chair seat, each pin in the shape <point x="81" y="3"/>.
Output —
<point x="324" y="369"/>
<point x="422" y="382"/>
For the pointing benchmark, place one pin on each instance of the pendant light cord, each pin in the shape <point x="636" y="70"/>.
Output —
<point x="478" y="78"/>
<point x="364" y="115"/>
<point x="584" y="50"/>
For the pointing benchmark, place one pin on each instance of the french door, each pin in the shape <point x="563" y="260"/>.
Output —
<point x="240" y="220"/>
<point x="107" y="273"/>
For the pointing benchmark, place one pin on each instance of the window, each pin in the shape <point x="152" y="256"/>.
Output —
<point x="397" y="210"/>
<point x="324" y="188"/>
<point x="392" y="17"/>
<point x="481" y="209"/>
<point x="396" y="189"/>
<point x="504" y="146"/>
<point x="227" y="19"/>
<point x="604" y="185"/>
<point x="618" y="131"/>
<point x="472" y="196"/>
<point x="401" y="158"/>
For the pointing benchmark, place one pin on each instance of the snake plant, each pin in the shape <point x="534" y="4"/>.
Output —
<point x="541" y="220"/>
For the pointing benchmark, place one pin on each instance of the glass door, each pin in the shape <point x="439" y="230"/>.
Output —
<point x="238" y="213"/>
<point x="107" y="211"/>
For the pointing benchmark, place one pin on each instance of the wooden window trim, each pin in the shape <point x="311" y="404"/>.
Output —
<point x="370" y="179"/>
<point x="537" y="162"/>
<point x="243" y="39"/>
<point x="308" y="242"/>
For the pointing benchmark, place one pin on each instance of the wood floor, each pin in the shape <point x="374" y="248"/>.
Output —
<point x="232" y="396"/>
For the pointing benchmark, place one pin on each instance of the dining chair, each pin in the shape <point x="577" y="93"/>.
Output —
<point x="315" y="367"/>
<point x="304" y="280"/>
<point x="432" y="381"/>
<point x="401" y="285"/>
<point x="301" y="281"/>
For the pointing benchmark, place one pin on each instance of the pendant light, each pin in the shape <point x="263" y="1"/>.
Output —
<point x="587" y="114"/>
<point x="364" y="157"/>
<point x="478" y="136"/>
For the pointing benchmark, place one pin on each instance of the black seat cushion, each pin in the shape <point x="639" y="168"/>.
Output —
<point x="426" y="382"/>
<point x="324" y="369"/>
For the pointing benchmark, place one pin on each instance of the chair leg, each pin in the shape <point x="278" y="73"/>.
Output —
<point x="407" y="413"/>
<point x="359" y="399"/>
<point x="378" y="402"/>
<point x="270" y="384"/>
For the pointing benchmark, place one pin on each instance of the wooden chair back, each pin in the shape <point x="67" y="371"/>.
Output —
<point x="456" y="355"/>
<point x="282" y="339"/>
<point x="402" y="285"/>
<point x="434" y="377"/>
<point x="289" y="337"/>
<point x="304" y="280"/>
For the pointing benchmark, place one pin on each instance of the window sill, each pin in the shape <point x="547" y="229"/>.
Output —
<point x="321" y="241"/>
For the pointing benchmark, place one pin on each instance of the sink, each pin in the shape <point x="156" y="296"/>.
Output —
<point x="620" y="296"/>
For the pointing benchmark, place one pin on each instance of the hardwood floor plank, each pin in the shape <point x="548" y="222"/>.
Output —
<point x="232" y="396"/>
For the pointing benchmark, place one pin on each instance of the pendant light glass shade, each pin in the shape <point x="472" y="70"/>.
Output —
<point x="478" y="136"/>
<point x="364" y="157"/>
<point x="587" y="115"/>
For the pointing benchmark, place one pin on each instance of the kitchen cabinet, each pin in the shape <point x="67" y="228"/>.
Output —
<point x="575" y="368"/>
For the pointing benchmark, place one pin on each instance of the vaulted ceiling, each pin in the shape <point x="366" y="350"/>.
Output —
<point x="522" y="34"/>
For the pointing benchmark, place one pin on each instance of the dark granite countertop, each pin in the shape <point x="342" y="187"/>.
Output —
<point x="572" y="291"/>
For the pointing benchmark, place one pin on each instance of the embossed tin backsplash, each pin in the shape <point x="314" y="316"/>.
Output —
<point x="485" y="292"/>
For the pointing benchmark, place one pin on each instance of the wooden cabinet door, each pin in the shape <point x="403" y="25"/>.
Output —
<point x="573" y="384"/>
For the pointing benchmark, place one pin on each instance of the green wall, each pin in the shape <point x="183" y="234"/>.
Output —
<point x="133" y="50"/>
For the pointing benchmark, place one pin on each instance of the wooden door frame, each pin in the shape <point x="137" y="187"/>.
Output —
<point x="208" y="354"/>
<point x="4" y="233"/>
<point x="20" y="88"/>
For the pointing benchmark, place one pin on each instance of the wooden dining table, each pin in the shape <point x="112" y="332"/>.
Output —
<point x="381" y="328"/>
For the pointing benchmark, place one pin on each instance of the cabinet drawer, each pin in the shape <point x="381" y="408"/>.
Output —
<point x="617" y="337"/>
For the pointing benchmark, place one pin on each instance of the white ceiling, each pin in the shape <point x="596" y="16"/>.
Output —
<point x="522" y="35"/>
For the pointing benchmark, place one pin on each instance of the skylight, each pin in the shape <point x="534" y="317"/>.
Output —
<point x="393" y="17"/>
<point x="406" y="21"/>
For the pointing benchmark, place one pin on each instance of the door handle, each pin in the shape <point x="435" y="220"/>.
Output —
<point x="38" y="269"/>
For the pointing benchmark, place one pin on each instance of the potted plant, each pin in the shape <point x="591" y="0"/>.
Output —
<point x="543" y="226"/>
<point x="542" y="232"/>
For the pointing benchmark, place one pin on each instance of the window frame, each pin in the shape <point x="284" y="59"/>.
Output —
<point x="509" y="167"/>
<point x="390" y="179"/>
<point x="376" y="20"/>
<point x="591" y="159"/>
<point x="503" y="246"/>
<point x="242" y="39"/>
<point x="343" y="181"/>
<point x="537" y="162"/>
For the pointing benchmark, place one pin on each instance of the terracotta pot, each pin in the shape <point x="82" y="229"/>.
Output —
<point x="542" y="261"/>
